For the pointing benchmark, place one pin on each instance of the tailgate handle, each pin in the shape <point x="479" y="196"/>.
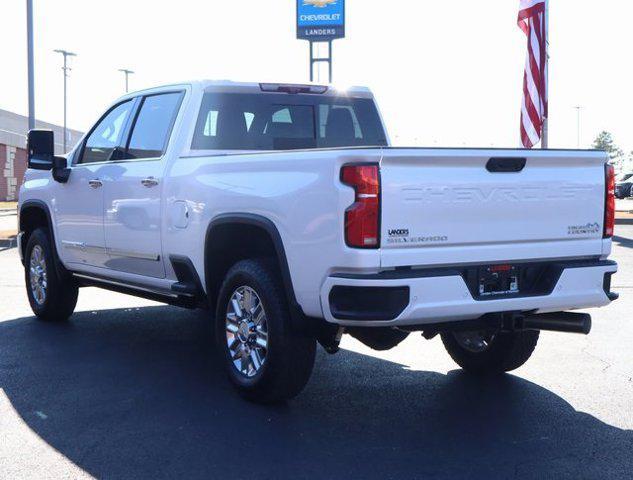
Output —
<point x="505" y="165"/>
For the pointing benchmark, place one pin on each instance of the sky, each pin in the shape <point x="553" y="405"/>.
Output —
<point x="445" y="73"/>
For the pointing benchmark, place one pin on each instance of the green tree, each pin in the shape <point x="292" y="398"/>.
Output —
<point x="604" y="141"/>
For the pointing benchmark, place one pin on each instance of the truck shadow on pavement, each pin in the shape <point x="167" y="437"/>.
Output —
<point x="138" y="393"/>
<point x="623" y="241"/>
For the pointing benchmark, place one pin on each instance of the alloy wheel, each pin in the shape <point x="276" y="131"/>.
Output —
<point x="246" y="331"/>
<point x="37" y="275"/>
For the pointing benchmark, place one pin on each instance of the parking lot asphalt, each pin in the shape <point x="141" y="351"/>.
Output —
<point x="131" y="389"/>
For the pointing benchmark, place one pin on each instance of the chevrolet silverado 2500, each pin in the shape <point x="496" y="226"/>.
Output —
<point x="284" y="211"/>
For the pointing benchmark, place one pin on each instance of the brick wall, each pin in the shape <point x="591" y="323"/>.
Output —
<point x="12" y="168"/>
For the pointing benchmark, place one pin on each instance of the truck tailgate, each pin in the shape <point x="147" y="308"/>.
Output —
<point x="443" y="207"/>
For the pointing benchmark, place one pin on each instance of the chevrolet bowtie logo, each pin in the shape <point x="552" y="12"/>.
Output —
<point x="319" y="3"/>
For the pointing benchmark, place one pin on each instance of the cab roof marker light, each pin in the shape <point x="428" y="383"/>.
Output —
<point x="293" y="89"/>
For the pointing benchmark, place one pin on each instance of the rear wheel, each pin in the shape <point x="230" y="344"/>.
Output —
<point x="489" y="351"/>
<point x="52" y="296"/>
<point x="265" y="359"/>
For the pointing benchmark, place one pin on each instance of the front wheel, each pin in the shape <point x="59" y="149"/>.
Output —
<point x="266" y="360"/>
<point x="52" y="296"/>
<point x="490" y="351"/>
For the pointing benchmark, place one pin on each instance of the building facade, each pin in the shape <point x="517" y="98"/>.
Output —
<point x="13" y="130"/>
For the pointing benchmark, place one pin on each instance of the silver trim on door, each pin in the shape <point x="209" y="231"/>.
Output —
<point x="82" y="246"/>
<point x="116" y="252"/>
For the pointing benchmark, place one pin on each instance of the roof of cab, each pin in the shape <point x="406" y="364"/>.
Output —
<point x="229" y="86"/>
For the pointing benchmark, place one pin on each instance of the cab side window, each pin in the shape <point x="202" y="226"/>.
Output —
<point x="107" y="136"/>
<point x="153" y="125"/>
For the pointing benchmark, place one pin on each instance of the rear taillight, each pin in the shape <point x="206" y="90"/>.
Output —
<point x="362" y="217"/>
<point x="609" y="201"/>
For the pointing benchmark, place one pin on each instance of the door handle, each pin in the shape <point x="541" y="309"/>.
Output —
<point x="149" y="182"/>
<point x="96" y="183"/>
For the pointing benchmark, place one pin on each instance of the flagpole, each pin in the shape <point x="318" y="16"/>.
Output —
<point x="545" y="128"/>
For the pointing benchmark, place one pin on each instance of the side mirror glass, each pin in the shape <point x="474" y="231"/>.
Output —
<point x="41" y="149"/>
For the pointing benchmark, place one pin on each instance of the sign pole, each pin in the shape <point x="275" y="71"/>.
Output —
<point x="311" y="61"/>
<point x="314" y="59"/>
<point x="330" y="60"/>
<point x="320" y="21"/>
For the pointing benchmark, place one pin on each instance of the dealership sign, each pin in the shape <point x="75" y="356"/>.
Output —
<point x="320" y="20"/>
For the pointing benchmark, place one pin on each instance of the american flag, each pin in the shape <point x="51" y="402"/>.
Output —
<point x="534" y="104"/>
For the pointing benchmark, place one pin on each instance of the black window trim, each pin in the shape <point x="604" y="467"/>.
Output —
<point x="137" y="112"/>
<point x="137" y="103"/>
<point x="77" y="162"/>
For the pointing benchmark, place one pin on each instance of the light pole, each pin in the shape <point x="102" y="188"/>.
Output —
<point x="578" y="111"/>
<point x="127" y="74"/>
<point x="65" y="68"/>
<point x="29" y="50"/>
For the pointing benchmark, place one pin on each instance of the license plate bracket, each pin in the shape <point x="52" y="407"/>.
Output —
<point x="496" y="280"/>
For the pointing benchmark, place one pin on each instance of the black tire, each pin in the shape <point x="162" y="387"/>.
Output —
<point x="506" y="351"/>
<point x="289" y="356"/>
<point x="60" y="298"/>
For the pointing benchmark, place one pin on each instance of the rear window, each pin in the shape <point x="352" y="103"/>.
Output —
<point x="272" y="121"/>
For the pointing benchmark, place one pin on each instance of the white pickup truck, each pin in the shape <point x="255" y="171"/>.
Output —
<point x="283" y="210"/>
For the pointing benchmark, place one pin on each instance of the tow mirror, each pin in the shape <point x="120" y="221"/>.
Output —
<point x="40" y="149"/>
<point x="41" y="154"/>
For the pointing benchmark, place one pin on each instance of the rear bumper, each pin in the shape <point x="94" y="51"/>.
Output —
<point x="418" y="297"/>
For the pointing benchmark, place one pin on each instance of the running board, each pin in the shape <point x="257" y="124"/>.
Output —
<point x="185" y="300"/>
